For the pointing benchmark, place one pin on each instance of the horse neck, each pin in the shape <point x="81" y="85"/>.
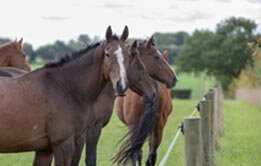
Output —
<point x="4" y="57"/>
<point x="82" y="77"/>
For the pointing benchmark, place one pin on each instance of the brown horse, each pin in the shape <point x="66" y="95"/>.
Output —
<point x="104" y="104"/>
<point x="130" y="108"/>
<point x="139" y="81"/>
<point x="46" y="110"/>
<point x="11" y="54"/>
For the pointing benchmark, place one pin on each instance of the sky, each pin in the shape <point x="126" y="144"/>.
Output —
<point x="43" y="21"/>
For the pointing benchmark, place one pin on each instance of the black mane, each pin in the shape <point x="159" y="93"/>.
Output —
<point x="70" y="57"/>
<point x="141" y="42"/>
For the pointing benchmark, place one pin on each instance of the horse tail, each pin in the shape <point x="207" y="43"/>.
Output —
<point x="133" y="141"/>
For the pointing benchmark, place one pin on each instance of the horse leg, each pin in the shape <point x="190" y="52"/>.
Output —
<point x="43" y="158"/>
<point x="63" y="152"/>
<point x="154" y="143"/>
<point x="140" y="158"/>
<point x="79" y="144"/>
<point x="92" y="138"/>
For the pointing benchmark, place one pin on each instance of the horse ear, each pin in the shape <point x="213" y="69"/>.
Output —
<point x="151" y="42"/>
<point x="108" y="33"/>
<point x="20" y="43"/>
<point x="166" y="54"/>
<point x="133" y="49"/>
<point x="125" y="33"/>
<point x="134" y="45"/>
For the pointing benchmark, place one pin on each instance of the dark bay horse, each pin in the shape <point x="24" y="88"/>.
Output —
<point x="130" y="108"/>
<point x="139" y="81"/>
<point x="46" y="110"/>
<point x="12" y="54"/>
<point x="156" y="66"/>
<point x="104" y="104"/>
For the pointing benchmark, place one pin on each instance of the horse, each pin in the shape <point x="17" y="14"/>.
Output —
<point x="139" y="81"/>
<point x="104" y="104"/>
<point x="46" y="110"/>
<point x="12" y="54"/>
<point x="130" y="108"/>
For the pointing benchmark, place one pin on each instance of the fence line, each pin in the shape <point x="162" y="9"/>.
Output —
<point x="165" y="158"/>
<point x="215" y="99"/>
<point x="203" y="138"/>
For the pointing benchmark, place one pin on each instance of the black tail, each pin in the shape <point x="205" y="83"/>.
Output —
<point x="133" y="142"/>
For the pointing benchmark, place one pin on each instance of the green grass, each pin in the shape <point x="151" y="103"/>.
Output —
<point x="241" y="143"/>
<point x="199" y="84"/>
<point x="239" y="146"/>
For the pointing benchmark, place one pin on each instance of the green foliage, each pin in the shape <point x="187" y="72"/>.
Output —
<point x="53" y="51"/>
<point x="31" y="54"/>
<point x="222" y="54"/>
<point x="170" y="41"/>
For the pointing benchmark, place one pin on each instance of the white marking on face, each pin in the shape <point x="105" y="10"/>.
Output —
<point x="159" y="52"/>
<point x="120" y="59"/>
<point x="163" y="58"/>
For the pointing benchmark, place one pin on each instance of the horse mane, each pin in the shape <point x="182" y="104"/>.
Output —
<point x="9" y="46"/>
<point x="74" y="55"/>
<point x="142" y="42"/>
<point x="71" y="56"/>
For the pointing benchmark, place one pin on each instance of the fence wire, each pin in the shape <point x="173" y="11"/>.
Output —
<point x="165" y="158"/>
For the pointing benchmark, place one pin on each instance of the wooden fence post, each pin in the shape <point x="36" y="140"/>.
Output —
<point x="210" y="97"/>
<point x="216" y="116"/>
<point x="204" y="108"/>
<point x="220" y="110"/>
<point x="193" y="146"/>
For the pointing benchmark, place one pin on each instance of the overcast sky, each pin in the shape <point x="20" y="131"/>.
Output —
<point x="44" y="21"/>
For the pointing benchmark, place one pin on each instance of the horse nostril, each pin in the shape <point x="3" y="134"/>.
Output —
<point x="119" y="86"/>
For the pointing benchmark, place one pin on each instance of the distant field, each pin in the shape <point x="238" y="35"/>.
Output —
<point x="240" y="145"/>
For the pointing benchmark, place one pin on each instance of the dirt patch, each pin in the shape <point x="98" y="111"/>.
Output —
<point x="250" y="95"/>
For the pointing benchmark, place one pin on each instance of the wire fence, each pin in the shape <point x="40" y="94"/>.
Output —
<point x="215" y="125"/>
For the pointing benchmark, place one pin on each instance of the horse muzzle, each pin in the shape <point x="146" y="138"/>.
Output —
<point x="120" y="89"/>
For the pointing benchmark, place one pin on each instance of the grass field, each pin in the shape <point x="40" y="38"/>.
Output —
<point x="240" y="145"/>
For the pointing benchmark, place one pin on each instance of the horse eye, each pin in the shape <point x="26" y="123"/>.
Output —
<point x="107" y="55"/>
<point x="157" y="57"/>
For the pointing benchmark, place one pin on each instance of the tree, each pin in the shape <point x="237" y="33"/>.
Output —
<point x="28" y="49"/>
<point x="53" y="51"/>
<point x="170" y="41"/>
<point x="4" y="40"/>
<point x="222" y="54"/>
